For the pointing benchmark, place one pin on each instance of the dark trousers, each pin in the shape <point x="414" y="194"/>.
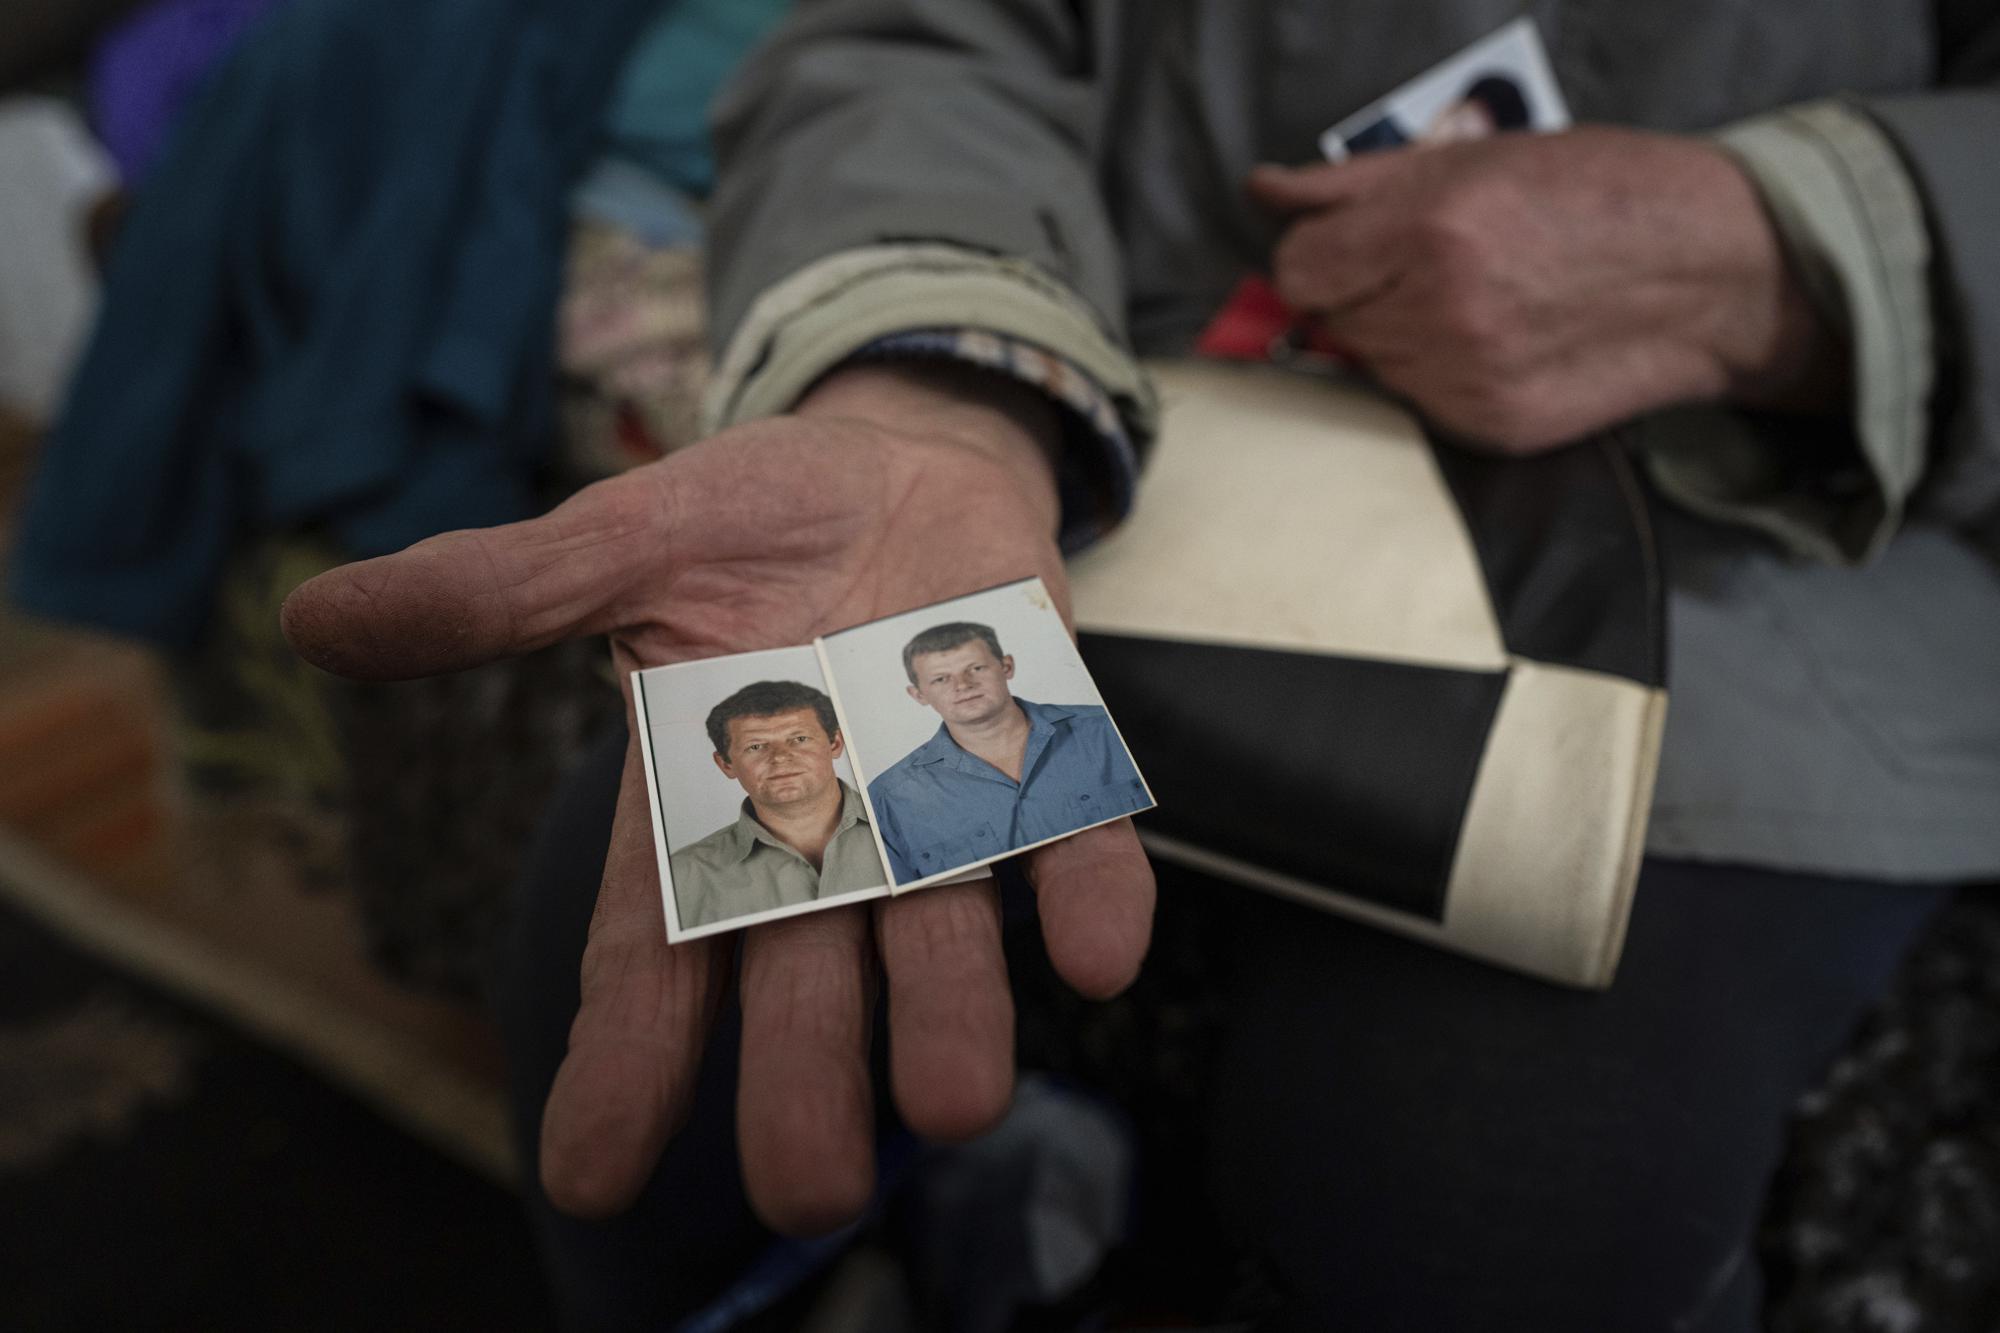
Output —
<point x="1401" y="1138"/>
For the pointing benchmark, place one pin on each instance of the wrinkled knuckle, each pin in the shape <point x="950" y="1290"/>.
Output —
<point x="1457" y="231"/>
<point x="953" y="924"/>
<point x="1439" y="235"/>
<point x="814" y="985"/>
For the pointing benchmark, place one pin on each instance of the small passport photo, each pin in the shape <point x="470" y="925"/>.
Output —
<point x="899" y="754"/>
<point x="1500" y="83"/>
<point x="978" y="732"/>
<point x="757" y="810"/>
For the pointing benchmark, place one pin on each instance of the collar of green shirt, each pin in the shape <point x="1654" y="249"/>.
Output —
<point x="746" y="832"/>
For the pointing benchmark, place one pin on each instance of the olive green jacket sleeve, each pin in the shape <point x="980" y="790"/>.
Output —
<point x="1888" y="208"/>
<point x="1950" y="141"/>
<point x="897" y="164"/>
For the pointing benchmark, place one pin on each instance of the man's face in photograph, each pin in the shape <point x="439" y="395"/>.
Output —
<point x="783" y="760"/>
<point x="966" y="685"/>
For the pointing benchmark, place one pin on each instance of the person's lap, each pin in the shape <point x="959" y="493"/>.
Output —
<point x="1403" y="1138"/>
<point x="1496" y="1152"/>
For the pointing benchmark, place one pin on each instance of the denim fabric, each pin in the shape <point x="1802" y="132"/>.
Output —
<point x="939" y="807"/>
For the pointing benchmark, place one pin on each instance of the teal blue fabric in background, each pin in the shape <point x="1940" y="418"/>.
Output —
<point x="331" y="307"/>
<point x="658" y="116"/>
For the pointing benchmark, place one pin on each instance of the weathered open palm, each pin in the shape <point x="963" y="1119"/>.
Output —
<point x="761" y="537"/>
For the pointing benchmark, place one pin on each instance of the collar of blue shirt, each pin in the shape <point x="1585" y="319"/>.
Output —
<point x="942" y="749"/>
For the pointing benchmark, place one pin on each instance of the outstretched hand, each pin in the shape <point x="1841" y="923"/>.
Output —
<point x="1525" y="290"/>
<point x="885" y="491"/>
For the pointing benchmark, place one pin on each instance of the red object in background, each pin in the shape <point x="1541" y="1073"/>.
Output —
<point x="1245" y="326"/>
<point x="1254" y="324"/>
<point x="636" y="444"/>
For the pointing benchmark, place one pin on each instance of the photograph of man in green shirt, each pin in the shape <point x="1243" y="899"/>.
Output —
<point x="802" y="833"/>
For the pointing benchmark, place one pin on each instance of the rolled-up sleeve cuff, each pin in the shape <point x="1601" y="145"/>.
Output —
<point x="1098" y="469"/>
<point x="924" y="299"/>
<point x="1852" y="225"/>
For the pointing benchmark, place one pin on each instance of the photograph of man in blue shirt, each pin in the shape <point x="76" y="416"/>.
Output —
<point x="1001" y="773"/>
<point x="801" y="834"/>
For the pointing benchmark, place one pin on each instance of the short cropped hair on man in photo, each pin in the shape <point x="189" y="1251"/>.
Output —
<point x="801" y="833"/>
<point x="765" y="698"/>
<point x="1001" y="773"/>
<point x="938" y="638"/>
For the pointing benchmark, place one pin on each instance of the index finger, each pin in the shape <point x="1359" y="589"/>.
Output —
<point x="1330" y="263"/>
<point x="1317" y="185"/>
<point x="466" y="598"/>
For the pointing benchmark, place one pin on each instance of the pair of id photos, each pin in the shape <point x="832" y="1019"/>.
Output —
<point x="899" y="754"/>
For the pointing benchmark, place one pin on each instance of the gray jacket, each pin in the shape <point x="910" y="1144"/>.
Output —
<point x="1070" y="174"/>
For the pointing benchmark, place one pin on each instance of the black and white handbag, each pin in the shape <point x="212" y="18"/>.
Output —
<point x="1383" y="676"/>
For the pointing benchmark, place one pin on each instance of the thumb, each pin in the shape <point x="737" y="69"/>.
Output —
<point x="1286" y="190"/>
<point x="466" y="598"/>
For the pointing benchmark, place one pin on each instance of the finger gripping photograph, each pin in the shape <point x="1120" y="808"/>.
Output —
<point x="756" y="809"/>
<point x="979" y="732"/>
